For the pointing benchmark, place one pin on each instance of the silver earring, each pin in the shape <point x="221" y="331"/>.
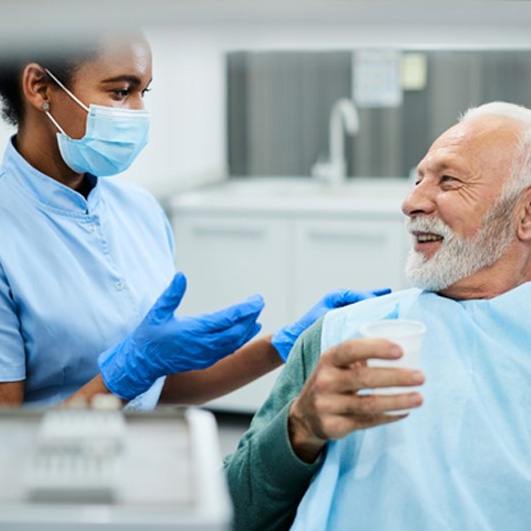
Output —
<point x="45" y="106"/>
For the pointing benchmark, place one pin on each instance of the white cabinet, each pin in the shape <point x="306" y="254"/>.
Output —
<point x="292" y="250"/>
<point x="229" y="258"/>
<point x="358" y="254"/>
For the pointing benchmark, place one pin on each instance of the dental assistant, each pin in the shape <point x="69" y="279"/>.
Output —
<point x="88" y="290"/>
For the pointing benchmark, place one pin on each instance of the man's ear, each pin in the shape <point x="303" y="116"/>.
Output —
<point x="524" y="217"/>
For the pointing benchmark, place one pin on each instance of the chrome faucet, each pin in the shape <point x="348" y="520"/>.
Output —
<point x="333" y="170"/>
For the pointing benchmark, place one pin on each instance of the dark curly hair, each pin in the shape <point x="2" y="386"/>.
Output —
<point x="62" y="64"/>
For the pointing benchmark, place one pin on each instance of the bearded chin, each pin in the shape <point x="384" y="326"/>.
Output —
<point x="445" y="268"/>
<point x="458" y="257"/>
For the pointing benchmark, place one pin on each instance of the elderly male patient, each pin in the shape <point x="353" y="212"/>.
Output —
<point x="320" y="455"/>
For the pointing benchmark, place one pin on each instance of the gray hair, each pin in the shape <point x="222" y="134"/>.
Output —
<point x="521" y="171"/>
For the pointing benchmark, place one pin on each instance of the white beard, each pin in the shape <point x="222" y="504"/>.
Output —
<point x="460" y="257"/>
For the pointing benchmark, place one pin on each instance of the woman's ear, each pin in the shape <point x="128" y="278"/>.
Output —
<point x="35" y="86"/>
<point x="524" y="217"/>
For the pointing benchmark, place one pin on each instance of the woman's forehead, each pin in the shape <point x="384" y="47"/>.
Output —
<point x="119" y="57"/>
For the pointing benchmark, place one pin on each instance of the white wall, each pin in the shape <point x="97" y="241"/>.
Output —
<point x="187" y="103"/>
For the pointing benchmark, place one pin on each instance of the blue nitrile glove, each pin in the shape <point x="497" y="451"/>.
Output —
<point x="164" y="343"/>
<point x="285" y="338"/>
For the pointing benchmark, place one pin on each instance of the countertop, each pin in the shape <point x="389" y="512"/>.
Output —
<point x="295" y="195"/>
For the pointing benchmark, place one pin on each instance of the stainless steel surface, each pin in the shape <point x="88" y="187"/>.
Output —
<point x="170" y="477"/>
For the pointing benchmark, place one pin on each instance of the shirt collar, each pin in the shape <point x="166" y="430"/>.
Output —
<point x="48" y="192"/>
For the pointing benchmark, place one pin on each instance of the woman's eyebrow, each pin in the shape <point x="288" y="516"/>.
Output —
<point x="134" y="80"/>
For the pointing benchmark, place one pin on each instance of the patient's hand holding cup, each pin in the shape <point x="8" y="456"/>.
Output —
<point x="405" y="333"/>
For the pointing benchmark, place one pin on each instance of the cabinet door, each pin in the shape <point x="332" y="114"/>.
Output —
<point x="229" y="258"/>
<point x="337" y="254"/>
<point x="226" y="259"/>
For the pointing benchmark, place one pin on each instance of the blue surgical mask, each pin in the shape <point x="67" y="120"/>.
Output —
<point x="113" y="138"/>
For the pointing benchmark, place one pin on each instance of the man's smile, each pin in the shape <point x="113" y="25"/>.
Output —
<point x="427" y="243"/>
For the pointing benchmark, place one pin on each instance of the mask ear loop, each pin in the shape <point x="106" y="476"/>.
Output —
<point x="75" y="98"/>
<point x="46" y="109"/>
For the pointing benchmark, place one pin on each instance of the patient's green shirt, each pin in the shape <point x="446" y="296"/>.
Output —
<point x="266" y="479"/>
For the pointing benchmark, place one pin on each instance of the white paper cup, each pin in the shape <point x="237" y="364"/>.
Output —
<point x="405" y="333"/>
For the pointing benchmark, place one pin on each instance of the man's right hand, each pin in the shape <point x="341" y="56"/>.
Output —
<point x="329" y="406"/>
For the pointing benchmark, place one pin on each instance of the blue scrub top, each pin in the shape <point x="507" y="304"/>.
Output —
<point x="76" y="275"/>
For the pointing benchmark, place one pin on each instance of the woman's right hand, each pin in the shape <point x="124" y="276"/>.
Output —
<point x="165" y="344"/>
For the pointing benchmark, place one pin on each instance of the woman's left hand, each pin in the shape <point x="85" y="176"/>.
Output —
<point x="285" y="338"/>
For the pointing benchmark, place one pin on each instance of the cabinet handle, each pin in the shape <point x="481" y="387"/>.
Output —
<point x="237" y="232"/>
<point x="347" y="236"/>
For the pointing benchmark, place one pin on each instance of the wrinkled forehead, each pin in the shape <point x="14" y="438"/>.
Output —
<point x="487" y="144"/>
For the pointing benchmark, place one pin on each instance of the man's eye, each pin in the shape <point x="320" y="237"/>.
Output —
<point x="448" y="179"/>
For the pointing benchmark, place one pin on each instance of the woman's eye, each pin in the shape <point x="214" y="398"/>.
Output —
<point x="121" y="93"/>
<point x="145" y="91"/>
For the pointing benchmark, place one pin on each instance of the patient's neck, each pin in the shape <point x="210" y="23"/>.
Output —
<point x="504" y="275"/>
